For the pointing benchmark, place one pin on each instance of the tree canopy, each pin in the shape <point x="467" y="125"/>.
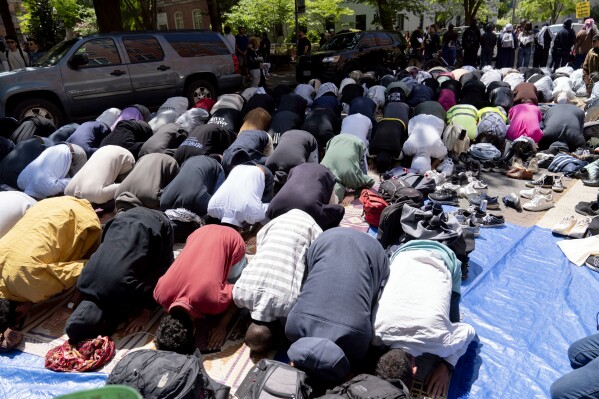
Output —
<point x="386" y="9"/>
<point x="320" y="12"/>
<point x="545" y="10"/>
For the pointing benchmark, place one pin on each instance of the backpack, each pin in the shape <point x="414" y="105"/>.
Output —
<point x="366" y="386"/>
<point x="414" y="180"/>
<point x="374" y="205"/>
<point x="390" y="231"/>
<point x="270" y="379"/>
<point x="507" y="40"/>
<point x="456" y="139"/>
<point x="389" y="187"/>
<point x="163" y="374"/>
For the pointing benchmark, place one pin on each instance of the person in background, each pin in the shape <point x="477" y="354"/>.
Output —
<point x="416" y="41"/>
<point x="542" y="45"/>
<point x="591" y="64"/>
<point x="431" y="42"/>
<point x="450" y="39"/>
<point x="264" y="48"/>
<point x="323" y="39"/>
<point x="584" y="41"/>
<point x="16" y="57"/>
<point x="304" y="46"/>
<point x="506" y="43"/>
<point x="230" y="38"/>
<point x="562" y="45"/>
<point x="4" y="67"/>
<point x="241" y="46"/>
<point x="488" y="41"/>
<point x="525" y="42"/>
<point x="253" y="61"/>
<point x="34" y="50"/>
<point x="471" y="42"/>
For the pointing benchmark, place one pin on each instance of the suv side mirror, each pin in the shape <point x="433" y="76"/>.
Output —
<point x="78" y="60"/>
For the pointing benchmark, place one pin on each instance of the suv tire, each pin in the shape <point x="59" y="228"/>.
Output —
<point x="40" y="107"/>
<point x="199" y="89"/>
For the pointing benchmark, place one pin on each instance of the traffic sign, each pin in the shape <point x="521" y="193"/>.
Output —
<point x="583" y="9"/>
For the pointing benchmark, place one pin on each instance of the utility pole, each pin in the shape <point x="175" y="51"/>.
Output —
<point x="514" y="5"/>
<point x="296" y="32"/>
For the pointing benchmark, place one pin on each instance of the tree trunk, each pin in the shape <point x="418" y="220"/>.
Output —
<point x="471" y="9"/>
<point x="215" y="15"/>
<point x="7" y="18"/>
<point x="385" y="14"/>
<point x="108" y="14"/>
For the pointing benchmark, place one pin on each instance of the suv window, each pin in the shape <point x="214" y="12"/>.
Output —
<point x="101" y="51"/>
<point x="368" y="40"/>
<point x="197" y="44"/>
<point x="382" y="39"/>
<point x="143" y="49"/>
<point x="342" y="42"/>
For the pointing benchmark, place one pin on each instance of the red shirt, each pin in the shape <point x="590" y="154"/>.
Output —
<point x="197" y="280"/>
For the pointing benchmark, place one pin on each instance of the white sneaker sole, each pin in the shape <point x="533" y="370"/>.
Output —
<point x="537" y="210"/>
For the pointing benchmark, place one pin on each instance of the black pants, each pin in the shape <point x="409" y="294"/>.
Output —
<point x="470" y="57"/>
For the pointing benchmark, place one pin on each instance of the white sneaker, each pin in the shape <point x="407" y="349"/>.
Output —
<point x="477" y="184"/>
<point x="558" y="186"/>
<point x="447" y="185"/>
<point x="565" y="225"/>
<point x="533" y="192"/>
<point x="539" y="203"/>
<point x="467" y="190"/>
<point x="446" y="167"/>
<point x="580" y="229"/>
<point x="439" y="178"/>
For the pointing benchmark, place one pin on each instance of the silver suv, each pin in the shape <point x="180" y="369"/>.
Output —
<point x="80" y="78"/>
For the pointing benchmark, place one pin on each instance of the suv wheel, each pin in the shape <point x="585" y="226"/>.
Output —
<point x="41" y="108"/>
<point x="200" y="89"/>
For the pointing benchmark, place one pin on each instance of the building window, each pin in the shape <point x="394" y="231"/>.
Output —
<point x="361" y="22"/>
<point x="179" y="20"/>
<point x="401" y="22"/>
<point x="197" y="19"/>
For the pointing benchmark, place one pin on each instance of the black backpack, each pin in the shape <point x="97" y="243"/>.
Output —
<point x="390" y="231"/>
<point x="271" y="379"/>
<point x="162" y="374"/>
<point x="366" y="386"/>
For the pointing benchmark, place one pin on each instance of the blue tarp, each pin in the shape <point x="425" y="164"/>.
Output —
<point x="525" y="300"/>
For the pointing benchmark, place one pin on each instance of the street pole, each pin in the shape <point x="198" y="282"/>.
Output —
<point x="514" y="12"/>
<point x="296" y="32"/>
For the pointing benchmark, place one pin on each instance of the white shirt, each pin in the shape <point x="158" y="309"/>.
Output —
<point x="357" y="125"/>
<point x="95" y="181"/>
<point x="413" y="311"/>
<point x="271" y="282"/>
<point x="16" y="61"/>
<point x="231" y="40"/>
<point x="239" y="199"/>
<point x="47" y="175"/>
<point x="425" y="133"/>
<point x="14" y="206"/>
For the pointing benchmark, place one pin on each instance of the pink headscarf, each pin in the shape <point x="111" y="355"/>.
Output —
<point x="588" y="24"/>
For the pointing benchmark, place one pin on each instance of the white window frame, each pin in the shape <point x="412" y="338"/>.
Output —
<point x="196" y="15"/>
<point x="179" y="22"/>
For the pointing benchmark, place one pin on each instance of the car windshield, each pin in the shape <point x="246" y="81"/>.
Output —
<point x="343" y="42"/>
<point x="55" y="54"/>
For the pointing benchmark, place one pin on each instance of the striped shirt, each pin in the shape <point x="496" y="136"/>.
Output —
<point x="271" y="282"/>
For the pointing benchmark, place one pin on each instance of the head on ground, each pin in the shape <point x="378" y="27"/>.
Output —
<point x="396" y="364"/>
<point x="8" y="314"/>
<point x="175" y="332"/>
<point x="259" y="337"/>
<point x="383" y="161"/>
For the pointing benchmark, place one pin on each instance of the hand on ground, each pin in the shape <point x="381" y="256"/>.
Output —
<point x="437" y="382"/>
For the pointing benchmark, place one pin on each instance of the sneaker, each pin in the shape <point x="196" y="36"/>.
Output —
<point x="472" y="225"/>
<point x="592" y="263"/>
<point x="464" y="214"/>
<point x="439" y="178"/>
<point x="587" y="208"/>
<point x="565" y="225"/>
<point x="477" y="184"/>
<point x="517" y="163"/>
<point x="545" y="181"/>
<point x="444" y="197"/>
<point x="448" y="186"/>
<point x="512" y="201"/>
<point x="558" y="186"/>
<point x="476" y="200"/>
<point x="446" y="167"/>
<point x="533" y="165"/>
<point x="580" y="229"/>
<point x="539" y="203"/>
<point x="467" y="190"/>
<point x="492" y="221"/>
<point x="530" y="194"/>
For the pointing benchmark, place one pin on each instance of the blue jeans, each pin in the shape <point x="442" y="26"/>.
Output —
<point x="523" y="56"/>
<point x="449" y="54"/>
<point x="583" y="381"/>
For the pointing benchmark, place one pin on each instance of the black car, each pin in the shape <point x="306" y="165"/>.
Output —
<point x="352" y="51"/>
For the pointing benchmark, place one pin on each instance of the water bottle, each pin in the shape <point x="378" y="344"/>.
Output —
<point x="483" y="206"/>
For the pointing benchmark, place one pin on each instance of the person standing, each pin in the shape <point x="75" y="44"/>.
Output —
<point x="542" y="45"/>
<point x="505" y="48"/>
<point x="450" y="39"/>
<point x="264" y="48"/>
<point x="17" y="59"/>
<point x="584" y="41"/>
<point x="253" y="61"/>
<point x="4" y="67"/>
<point x="304" y="46"/>
<point x="230" y="38"/>
<point x="562" y="45"/>
<point x="34" y="50"/>
<point x="241" y="46"/>
<point x="416" y="41"/>
<point x="525" y="42"/>
<point x="470" y="43"/>
<point x="591" y="64"/>
<point x="431" y="42"/>
<point x="488" y="41"/>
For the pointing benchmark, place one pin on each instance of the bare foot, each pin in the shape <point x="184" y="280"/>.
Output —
<point x="10" y="340"/>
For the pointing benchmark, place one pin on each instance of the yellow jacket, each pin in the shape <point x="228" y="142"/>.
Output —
<point x="42" y="255"/>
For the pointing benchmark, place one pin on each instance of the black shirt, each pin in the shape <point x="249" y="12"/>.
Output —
<point x="228" y="118"/>
<point x="322" y="124"/>
<point x="284" y="121"/>
<point x="301" y="45"/>
<point x="204" y="140"/>
<point x="294" y="148"/>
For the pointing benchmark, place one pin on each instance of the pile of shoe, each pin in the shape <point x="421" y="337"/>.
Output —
<point x="473" y="219"/>
<point x="571" y="227"/>
<point x="540" y="195"/>
<point x="522" y="171"/>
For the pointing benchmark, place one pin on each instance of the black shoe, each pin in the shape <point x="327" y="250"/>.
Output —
<point x="444" y="197"/>
<point x="587" y="208"/>
<point x="592" y="263"/>
<point x="512" y="201"/>
<point x="477" y="199"/>
<point x="492" y="221"/>
<point x="545" y="181"/>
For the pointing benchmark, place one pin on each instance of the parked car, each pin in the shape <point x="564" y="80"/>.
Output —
<point x="350" y="51"/>
<point x="79" y="78"/>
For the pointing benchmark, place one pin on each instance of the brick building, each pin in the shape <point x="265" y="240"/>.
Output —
<point x="13" y="5"/>
<point x="183" y="14"/>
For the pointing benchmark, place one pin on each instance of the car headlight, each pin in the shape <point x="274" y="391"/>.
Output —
<point x="332" y="59"/>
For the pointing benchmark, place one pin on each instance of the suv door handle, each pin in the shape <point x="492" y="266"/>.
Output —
<point x="117" y="72"/>
<point x="163" y="67"/>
